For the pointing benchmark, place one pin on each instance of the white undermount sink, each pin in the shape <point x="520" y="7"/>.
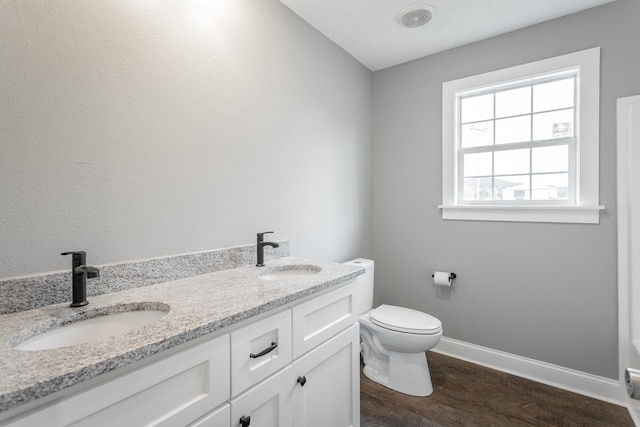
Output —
<point x="92" y="329"/>
<point x="290" y="272"/>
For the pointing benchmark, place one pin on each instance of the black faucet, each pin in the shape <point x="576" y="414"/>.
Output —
<point x="260" y="246"/>
<point x="80" y="271"/>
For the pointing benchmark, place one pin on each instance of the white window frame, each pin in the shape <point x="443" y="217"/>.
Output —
<point x="585" y="208"/>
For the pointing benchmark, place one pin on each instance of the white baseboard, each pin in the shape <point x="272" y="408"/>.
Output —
<point x="634" y="410"/>
<point x="601" y="388"/>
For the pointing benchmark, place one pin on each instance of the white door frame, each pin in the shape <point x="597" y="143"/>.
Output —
<point x="628" y="172"/>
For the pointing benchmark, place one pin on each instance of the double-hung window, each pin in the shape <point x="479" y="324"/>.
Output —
<point x="521" y="144"/>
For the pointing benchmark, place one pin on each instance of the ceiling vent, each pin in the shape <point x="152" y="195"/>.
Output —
<point x="415" y="15"/>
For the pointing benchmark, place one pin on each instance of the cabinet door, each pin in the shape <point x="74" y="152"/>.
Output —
<point x="268" y="404"/>
<point x="327" y="392"/>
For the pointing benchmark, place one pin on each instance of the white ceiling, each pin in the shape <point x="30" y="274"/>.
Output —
<point x="367" y="29"/>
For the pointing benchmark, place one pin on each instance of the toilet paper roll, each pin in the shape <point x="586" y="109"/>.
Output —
<point x="632" y="378"/>
<point x="442" y="278"/>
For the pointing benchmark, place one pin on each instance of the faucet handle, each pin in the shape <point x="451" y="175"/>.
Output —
<point x="261" y="235"/>
<point x="78" y="258"/>
<point x="75" y="253"/>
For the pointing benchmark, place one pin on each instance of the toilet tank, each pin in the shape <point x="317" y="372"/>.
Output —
<point x="364" y="284"/>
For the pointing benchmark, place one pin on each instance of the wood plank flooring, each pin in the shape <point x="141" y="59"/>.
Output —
<point x="466" y="394"/>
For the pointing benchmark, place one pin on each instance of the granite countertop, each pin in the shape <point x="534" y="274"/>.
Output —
<point x="197" y="305"/>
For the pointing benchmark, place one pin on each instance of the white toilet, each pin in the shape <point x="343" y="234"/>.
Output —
<point x="394" y="340"/>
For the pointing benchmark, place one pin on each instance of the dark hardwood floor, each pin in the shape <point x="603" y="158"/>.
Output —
<point x="466" y="394"/>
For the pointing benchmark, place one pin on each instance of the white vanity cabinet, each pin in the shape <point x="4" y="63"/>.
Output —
<point x="297" y="367"/>
<point x="321" y="387"/>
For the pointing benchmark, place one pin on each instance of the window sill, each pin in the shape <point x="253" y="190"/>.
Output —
<point x="539" y="213"/>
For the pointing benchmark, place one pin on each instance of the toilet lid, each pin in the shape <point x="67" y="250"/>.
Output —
<point x="404" y="319"/>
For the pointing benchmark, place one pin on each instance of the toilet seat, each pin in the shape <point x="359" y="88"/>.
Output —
<point x="402" y="319"/>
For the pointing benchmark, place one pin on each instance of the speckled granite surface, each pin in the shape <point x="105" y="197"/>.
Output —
<point x="40" y="290"/>
<point x="198" y="305"/>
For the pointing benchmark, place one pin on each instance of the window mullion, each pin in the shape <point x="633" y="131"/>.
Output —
<point x="531" y="113"/>
<point x="493" y="154"/>
<point x="519" y="145"/>
<point x="531" y="173"/>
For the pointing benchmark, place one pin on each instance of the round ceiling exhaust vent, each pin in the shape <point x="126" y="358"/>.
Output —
<point x="415" y="15"/>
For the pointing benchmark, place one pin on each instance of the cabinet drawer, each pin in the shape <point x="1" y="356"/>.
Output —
<point x="260" y="349"/>
<point x="315" y="321"/>
<point x="172" y="391"/>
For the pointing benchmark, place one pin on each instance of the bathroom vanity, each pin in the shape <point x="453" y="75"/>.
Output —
<point x="239" y="347"/>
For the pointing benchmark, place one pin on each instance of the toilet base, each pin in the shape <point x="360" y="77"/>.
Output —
<point x="408" y="373"/>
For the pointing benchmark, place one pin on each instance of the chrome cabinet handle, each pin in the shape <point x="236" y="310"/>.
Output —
<point x="265" y="351"/>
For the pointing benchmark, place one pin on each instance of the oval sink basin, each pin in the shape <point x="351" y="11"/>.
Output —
<point x="291" y="272"/>
<point x="92" y="329"/>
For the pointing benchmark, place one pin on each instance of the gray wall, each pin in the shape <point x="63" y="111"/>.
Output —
<point x="142" y="129"/>
<point x="543" y="291"/>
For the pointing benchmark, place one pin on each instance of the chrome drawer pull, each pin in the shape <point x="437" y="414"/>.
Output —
<point x="265" y="351"/>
